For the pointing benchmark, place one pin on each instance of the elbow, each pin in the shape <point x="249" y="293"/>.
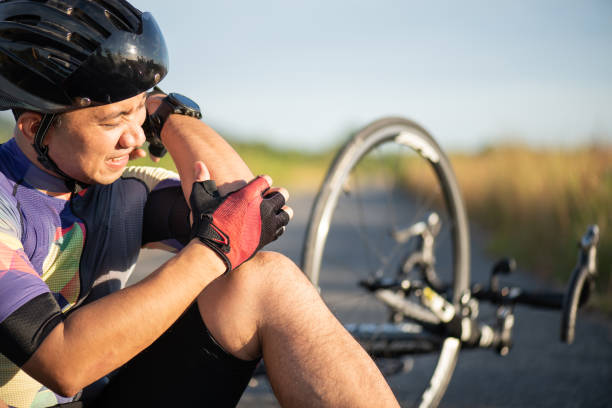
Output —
<point x="50" y="366"/>
<point x="68" y="392"/>
<point x="65" y="383"/>
<point x="66" y="387"/>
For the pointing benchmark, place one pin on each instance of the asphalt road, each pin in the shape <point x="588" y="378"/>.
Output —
<point x="540" y="371"/>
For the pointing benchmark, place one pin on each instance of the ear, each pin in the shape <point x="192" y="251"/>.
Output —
<point x="28" y="124"/>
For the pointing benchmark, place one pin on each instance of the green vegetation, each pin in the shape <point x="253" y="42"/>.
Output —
<point x="536" y="204"/>
<point x="6" y="129"/>
<point x="297" y="171"/>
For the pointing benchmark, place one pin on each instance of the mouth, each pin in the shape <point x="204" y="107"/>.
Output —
<point x="118" y="162"/>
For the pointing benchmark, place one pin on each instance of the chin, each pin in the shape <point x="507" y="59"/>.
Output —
<point x="106" y="179"/>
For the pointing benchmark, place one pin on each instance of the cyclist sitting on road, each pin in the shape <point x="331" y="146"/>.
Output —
<point x="74" y="217"/>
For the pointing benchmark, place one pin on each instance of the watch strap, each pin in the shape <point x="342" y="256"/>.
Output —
<point x="154" y="123"/>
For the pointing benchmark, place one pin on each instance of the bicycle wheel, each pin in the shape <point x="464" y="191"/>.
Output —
<point x="388" y="177"/>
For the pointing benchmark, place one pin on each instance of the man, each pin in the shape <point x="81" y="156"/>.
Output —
<point x="73" y="219"/>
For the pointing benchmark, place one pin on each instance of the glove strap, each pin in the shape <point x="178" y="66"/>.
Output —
<point x="213" y="238"/>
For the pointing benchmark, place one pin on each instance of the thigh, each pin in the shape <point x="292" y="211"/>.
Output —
<point x="184" y="367"/>
<point x="235" y="306"/>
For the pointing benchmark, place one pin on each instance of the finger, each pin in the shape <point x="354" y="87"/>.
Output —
<point x="201" y="172"/>
<point x="256" y="187"/>
<point x="275" y="201"/>
<point x="288" y="210"/>
<point x="153" y="101"/>
<point x="268" y="179"/>
<point x="279" y="232"/>
<point x="137" y="154"/>
<point x="281" y="190"/>
<point x="155" y="159"/>
<point x="283" y="217"/>
<point x="203" y="194"/>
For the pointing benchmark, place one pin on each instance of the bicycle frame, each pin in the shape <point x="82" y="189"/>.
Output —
<point x="420" y="313"/>
<point x="427" y="326"/>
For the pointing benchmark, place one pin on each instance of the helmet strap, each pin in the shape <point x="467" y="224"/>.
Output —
<point x="43" y="153"/>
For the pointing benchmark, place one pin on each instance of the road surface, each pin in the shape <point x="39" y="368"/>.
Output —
<point x="540" y="371"/>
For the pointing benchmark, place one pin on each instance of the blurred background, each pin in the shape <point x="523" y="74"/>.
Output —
<point x="518" y="92"/>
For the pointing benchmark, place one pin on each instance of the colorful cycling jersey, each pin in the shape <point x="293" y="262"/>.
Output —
<point x="60" y="250"/>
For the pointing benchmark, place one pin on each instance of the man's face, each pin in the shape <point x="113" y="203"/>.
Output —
<point x="93" y="145"/>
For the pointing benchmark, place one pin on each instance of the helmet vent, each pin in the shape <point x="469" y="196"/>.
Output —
<point x="60" y="63"/>
<point x="89" y="22"/>
<point x="120" y="17"/>
<point x="26" y="19"/>
<point x="120" y="24"/>
<point x="55" y="51"/>
<point x="83" y="42"/>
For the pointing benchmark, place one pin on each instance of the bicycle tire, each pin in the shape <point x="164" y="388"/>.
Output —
<point x="377" y="135"/>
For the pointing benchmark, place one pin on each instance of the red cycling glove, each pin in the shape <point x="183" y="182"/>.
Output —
<point x="238" y="225"/>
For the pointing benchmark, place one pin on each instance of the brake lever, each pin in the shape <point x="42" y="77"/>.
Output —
<point x="581" y="283"/>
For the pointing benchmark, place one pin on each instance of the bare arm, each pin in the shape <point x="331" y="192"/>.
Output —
<point x="77" y="352"/>
<point x="189" y="140"/>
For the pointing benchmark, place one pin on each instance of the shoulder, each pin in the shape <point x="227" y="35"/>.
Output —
<point x="152" y="177"/>
<point x="9" y="207"/>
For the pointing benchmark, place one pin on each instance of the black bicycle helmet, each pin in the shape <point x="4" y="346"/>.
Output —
<point x="62" y="55"/>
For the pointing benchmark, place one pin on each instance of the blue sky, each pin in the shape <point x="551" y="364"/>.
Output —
<point x="302" y="73"/>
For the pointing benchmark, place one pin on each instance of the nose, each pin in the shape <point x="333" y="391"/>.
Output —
<point x="132" y="137"/>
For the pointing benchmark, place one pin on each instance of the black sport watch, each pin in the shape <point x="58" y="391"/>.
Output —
<point x="173" y="103"/>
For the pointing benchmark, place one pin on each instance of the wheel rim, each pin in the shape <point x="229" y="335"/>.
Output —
<point x="331" y="207"/>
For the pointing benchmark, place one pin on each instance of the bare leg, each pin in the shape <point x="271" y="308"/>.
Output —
<point x="268" y="307"/>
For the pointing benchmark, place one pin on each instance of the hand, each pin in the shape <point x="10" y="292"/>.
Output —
<point x="152" y="133"/>
<point x="153" y="101"/>
<point x="236" y="226"/>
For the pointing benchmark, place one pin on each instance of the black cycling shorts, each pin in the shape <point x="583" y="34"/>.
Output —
<point x="184" y="367"/>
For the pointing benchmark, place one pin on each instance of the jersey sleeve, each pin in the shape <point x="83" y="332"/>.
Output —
<point x="166" y="214"/>
<point x="28" y="310"/>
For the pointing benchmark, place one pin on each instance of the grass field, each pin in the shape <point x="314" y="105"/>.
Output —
<point x="535" y="204"/>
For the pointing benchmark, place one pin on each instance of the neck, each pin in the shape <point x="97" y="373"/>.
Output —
<point x="58" y="182"/>
<point x="25" y="145"/>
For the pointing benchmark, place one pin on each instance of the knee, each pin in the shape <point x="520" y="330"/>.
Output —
<point x="269" y="271"/>
<point x="270" y="262"/>
<point x="272" y="259"/>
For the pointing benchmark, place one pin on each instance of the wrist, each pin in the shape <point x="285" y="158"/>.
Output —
<point x="207" y="257"/>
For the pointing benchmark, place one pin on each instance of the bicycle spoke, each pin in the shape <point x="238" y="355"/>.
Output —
<point x="388" y="179"/>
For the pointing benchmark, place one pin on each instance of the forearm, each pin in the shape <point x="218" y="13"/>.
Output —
<point x="102" y="336"/>
<point x="189" y="140"/>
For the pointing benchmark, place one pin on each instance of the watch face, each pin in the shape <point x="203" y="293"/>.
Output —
<point x="182" y="100"/>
